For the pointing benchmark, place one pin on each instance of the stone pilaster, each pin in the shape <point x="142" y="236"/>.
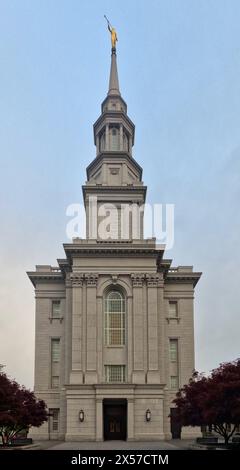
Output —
<point x="138" y="375"/>
<point x="68" y="330"/>
<point x="76" y="375"/>
<point x="91" y="366"/>
<point x="99" y="419"/>
<point x="130" y="420"/>
<point x="100" y="337"/>
<point x="161" y="325"/>
<point x="153" y="375"/>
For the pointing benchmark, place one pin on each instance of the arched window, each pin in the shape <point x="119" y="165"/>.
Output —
<point x="115" y="313"/>
<point x="114" y="139"/>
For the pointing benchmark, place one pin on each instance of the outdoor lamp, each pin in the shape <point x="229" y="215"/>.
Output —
<point x="148" y="415"/>
<point x="81" y="416"/>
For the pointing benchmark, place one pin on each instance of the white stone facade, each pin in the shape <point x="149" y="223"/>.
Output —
<point x="71" y="357"/>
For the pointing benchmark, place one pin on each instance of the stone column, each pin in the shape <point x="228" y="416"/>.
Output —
<point x="76" y="375"/>
<point x="161" y="324"/>
<point x="107" y="138"/>
<point x="99" y="419"/>
<point x="130" y="337"/>
<point x="100" y="338"/>
<point x="130" y="145"/>
<point x="68" y="330"/>
<point x="91" y="366"/>
<point x="138" y="329"/>
<point x="121" y="137"/>
<point x="153" y="375"/>
<point x="97" y="145"/>
<point x="130" y="420"/>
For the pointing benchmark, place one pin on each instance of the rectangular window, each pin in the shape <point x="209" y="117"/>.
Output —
<point x="174" y="382"/>
<point x="115" y="373"/>
<point x="54" y="412"/>
<point x="55" y="381"/>
<point x="173" y="310"/>
<point x="173" y="346"/>
<point x="55" y="349"/>
<point x="56" y="306"/>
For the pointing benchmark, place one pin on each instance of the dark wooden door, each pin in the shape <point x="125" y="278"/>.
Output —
<point x="176" y="427"/>
<point x="115" y="420"/>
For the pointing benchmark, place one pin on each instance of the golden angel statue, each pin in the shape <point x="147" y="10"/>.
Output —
<point x="113" y="34"/>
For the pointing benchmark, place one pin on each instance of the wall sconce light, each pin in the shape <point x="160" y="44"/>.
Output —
<point x="81" y="416"/>
<point x="148" y="415"/>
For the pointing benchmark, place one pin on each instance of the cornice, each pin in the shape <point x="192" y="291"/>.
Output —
<point x="113" y="155"/>
<point x="36" y="276"/>
<point x="182" y="277"/>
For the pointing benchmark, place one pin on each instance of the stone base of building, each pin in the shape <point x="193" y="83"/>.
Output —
<point x="104" y="412"/>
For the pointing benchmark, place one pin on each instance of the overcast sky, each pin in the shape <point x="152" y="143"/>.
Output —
<point x="179" y="69"/>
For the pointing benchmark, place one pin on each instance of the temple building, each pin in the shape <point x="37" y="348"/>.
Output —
<point x="114" y="335"/>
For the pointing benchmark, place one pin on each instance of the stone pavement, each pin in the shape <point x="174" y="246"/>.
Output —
<point x="176" y="444"/>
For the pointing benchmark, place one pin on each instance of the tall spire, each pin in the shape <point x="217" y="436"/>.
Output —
<point x="113" y="88"/>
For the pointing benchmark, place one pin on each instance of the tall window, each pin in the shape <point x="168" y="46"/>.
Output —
<point x="55" y="349"/>
<point x="173" y="346"/>
<point x="173" y="310"/>
<point x="115" y="313"/>
<point x="54" y="414"/>
<point x="114" y="139"/>
<point x="55" y="381"/>
<point x="174" y="382"/>
<point x="115" y="373"/>
<point x="56" y="304"/>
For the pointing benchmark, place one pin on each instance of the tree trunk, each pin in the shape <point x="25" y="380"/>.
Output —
<point x="4" y="440"/>
<point x="226" y="439"/>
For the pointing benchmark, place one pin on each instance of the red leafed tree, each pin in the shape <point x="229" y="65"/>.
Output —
<point x="19" y="409"/>
<point x="213" y="400"/>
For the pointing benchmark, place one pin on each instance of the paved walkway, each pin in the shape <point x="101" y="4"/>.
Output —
<point x="176" y="444"/>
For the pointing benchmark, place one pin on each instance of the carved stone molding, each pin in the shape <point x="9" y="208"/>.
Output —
<point x="76" y="279"/>
<point x="137" y="279"/>
<point x="114" y="279"/>
<point x="91" y="279"/>
<point x="154" y="280"/>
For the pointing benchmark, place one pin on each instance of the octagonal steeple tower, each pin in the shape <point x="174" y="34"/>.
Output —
<point x="114" y="176"/>
<point x="114" y="131"/>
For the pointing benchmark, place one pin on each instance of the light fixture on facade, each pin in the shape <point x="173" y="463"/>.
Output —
<point x="148" y="415"/>
<point x="81" y="416"/>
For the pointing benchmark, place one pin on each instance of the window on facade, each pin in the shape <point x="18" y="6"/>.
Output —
<point x="125" y="142"/>
<point x="56" y="305"/>
<point x="173" y="311"/>
<point x="102" y="142"/>
<point x="55" y="381"/>
<point x="55" y="349"/>
<point x="54" y="412"/>
<point x="173" y="346"/>
<point x="115" y="312"/>
<point x="115" y="373"/>
<point x="114" y="139"/>
<point x="174" y="382"/>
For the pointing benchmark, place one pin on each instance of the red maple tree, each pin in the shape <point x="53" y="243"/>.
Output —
<point x="212" y="401"/>
<point x="19" y="409"/>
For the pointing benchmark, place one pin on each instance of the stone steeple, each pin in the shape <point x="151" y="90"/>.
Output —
<point x="114" y="176"/>
<point x="113" y="88"/>
<point x="114" y="131"/>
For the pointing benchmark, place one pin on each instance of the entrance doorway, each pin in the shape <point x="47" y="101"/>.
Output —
<point x="115" y="419"/>
<point x="176" y="427"/>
